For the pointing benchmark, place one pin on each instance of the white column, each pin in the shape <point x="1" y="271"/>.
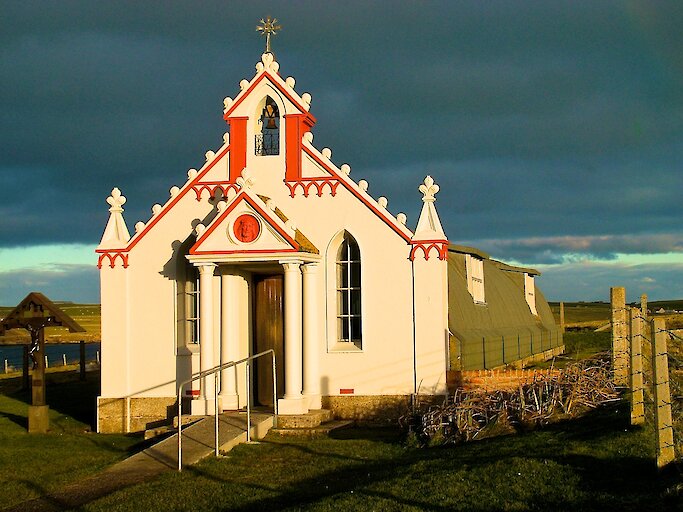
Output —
<point x="229" y="337"/>
<point x="205" y="404"/>
<point x="293" y="402"/>
<point x="312" y="335"/>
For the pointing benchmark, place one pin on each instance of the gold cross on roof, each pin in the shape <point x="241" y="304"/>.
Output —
<point x="268" y="26"/>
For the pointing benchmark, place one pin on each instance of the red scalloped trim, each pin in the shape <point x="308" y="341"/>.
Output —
<point x="112" y="257"/>
<point x="212" y="186"/>
<point x="441" y="247"/>
<point x="307" y="183"/>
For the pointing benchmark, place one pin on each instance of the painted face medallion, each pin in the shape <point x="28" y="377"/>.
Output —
<point x="246" y="228"/>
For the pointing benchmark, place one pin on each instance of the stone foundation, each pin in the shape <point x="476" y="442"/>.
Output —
<point x="118" y="415"/>
<point x="313" y="418"/>
<point x="493" y="380"/>
<point x="373" y="409"/>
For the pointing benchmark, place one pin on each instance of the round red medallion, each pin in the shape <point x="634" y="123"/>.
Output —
<point x="246" y="228"/>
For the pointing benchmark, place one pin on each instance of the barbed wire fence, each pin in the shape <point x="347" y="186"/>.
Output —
<point x="641" y="362"/>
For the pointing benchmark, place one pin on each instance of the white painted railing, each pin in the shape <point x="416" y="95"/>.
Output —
<point x="215" y="372"/>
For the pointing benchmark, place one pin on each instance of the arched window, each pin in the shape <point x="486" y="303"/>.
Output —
<point x="267" y="141"/>
<point x="348" y="292"/>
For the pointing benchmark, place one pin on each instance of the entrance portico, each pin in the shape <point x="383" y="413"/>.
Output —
<point x="302" y="329"/>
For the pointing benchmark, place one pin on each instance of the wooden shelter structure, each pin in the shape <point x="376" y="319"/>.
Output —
<point x="35" y="313"/>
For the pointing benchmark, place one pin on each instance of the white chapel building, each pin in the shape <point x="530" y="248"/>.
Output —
<point x="273" y="245"/>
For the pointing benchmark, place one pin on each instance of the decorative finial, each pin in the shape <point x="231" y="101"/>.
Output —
<point x="116" y="201"/>
<point x="429" y="190"/>
<point x="246" y="180"/>
<point x="268" y="26"/>
<point x="116" y="233"/>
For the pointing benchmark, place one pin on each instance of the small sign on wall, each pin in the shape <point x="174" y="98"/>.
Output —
<point x="346" y="391"/>
<point x="192" y="393"/>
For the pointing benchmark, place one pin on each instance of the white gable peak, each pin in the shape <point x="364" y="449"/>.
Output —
<point x="116" y="234"/>
<point x="267" y="81"/>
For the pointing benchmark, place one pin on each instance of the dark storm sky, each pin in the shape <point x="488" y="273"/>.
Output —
<point x="555" y="129"/>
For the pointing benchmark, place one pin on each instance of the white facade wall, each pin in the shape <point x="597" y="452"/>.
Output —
<point x="115" y="348"/>
<point x="140" y="352"/>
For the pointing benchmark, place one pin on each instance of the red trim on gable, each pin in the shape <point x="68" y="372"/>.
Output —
<point x="238" y="143"/>
<point x="441" y="247"/>
<point x="277" y="86"/>
<point x="306" y="183"/>
<point x="212" y="186"/>
<point x="168" y="207"/>
<point x="223" y="215"/>
<point x="112" y="257"/>
<point x="356" y="193"/>
<point x="295" y="127"/>
<point x="247" y="251"/>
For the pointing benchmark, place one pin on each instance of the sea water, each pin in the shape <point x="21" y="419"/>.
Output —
<point x="55" y="353"/>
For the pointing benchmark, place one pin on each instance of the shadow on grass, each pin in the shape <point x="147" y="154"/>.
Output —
<point x="389" y="435"/>
<point x="75" y="398"/>
<point x="22" y="421"/>
<point x="65" y="394"/>
<point x="605" y="478"/>
<point x="45" y="501"/>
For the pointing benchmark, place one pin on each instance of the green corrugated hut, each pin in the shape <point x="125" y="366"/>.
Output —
<point x="491" y="314"/>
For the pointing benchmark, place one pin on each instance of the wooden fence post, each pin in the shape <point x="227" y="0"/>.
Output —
<point x="643" y="305"/>
<point x="636" y="344"/>
<point x="81" y="362"/>
<point x="483" y="351"/>
<point x="619" y="332"/>
<point x="660" y="372"/>
<point x="25" y="382"/>
<point x="562" y="316"/>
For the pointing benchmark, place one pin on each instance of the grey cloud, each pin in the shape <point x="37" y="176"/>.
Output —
<point x="580" y="281"/>
<point x="537" y="120"/>
<point x="77" y="283"/>
<point x="563" y="249"/>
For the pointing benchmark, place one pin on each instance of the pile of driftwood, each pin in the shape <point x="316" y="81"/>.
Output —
<point x="548" y="397"/>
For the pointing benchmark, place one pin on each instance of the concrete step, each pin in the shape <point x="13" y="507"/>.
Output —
<point x="199" y="438"/>
<point x="312" y="419"/>
<point x="164" y="430"/>
<point x="318" y="431"/>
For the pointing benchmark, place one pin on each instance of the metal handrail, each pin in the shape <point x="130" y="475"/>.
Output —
<point x="215" y="371"/>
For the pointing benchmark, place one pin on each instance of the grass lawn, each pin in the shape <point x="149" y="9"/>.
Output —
<point x="578" y="345"/>
<point x="32" y="464"/>
<point x="583" y="344"/>
<point x="582" y="313"/>
<point x="596" y="314"/>
<point x="595" y="463"/>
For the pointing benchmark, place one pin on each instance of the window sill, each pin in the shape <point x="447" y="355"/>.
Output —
<point x="188" y="350"/>
<point x="344" y="347"/>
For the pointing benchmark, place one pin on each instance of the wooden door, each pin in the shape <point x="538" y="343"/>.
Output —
<point x="268" y="333"/>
